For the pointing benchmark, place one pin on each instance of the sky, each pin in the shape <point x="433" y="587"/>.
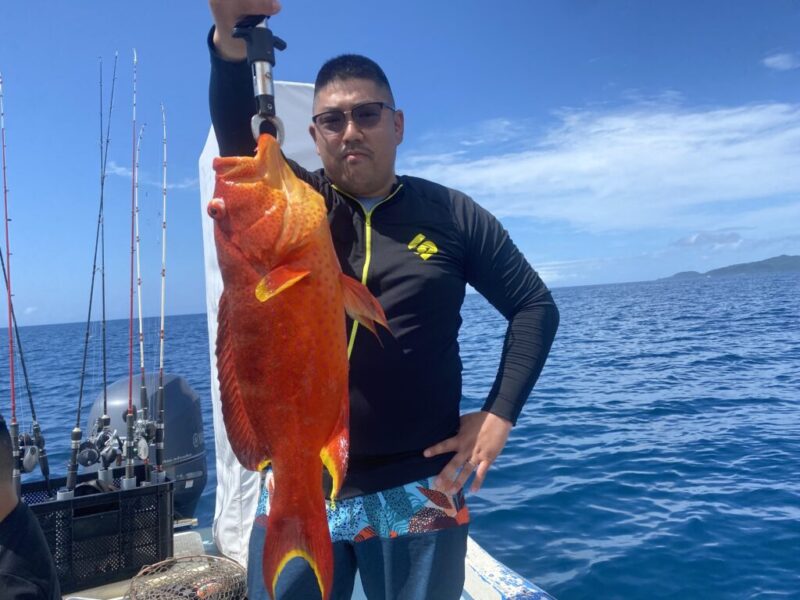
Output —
<point x="616" y="140"/>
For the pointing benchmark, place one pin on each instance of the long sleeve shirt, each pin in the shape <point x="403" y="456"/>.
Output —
<point x="416" y="250"/>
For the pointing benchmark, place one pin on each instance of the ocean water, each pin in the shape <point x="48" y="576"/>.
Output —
<point x="658" y="457"/>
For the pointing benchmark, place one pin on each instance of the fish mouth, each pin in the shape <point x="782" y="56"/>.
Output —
<point x="265" y="166"/>
<point x="232" y="169"/>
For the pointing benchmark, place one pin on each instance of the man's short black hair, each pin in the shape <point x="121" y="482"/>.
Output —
<point x="352" y="66"/>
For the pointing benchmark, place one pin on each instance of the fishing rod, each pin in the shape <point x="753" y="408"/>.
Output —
<point x="129" y="481"/>
<point x="34" y="449"/>
<point x="105" y="418"/>
<point x="159" y="473"/>
<point x="103" y="445"/>
<point x="144" y="428"/>
<point x="88" y="452"/>
<point x="142" y="386"/>
<point x="13" y="426"/>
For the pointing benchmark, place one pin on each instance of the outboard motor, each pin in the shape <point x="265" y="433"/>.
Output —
<point x="184" y="447"/>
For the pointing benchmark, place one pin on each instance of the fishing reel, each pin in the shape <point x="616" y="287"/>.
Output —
<point x="29" y="452"/>
<point x="103" y="445"/>
<point x="32" y="451"/>
<point x="144" y="434"/>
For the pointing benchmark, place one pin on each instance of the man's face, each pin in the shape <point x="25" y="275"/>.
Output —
<point x="358" y="160"/>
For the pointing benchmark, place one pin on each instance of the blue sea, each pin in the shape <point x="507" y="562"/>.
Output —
<point x="658" y="456"/>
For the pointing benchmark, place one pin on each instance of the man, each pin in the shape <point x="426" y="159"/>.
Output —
<point x="401" y="519"/>
<point x="27" y="571"/>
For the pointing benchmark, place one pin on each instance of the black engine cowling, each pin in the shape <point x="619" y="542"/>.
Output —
<point x="184" y="447"/>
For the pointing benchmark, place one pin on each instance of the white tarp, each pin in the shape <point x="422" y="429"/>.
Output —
<point x="237" y="488"/>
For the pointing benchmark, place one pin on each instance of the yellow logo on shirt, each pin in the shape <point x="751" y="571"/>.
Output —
<point x="425" y="248"/>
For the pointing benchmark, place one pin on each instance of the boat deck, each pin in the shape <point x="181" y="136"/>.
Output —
<point x="486" y="578"/>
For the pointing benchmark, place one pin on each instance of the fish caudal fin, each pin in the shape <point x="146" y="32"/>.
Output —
<point x="252" y="454"/>
<point x="298" y="529"/>
<point x="361" y="305"/>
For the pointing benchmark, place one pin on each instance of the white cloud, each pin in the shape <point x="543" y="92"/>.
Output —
<point x="644" y="166"/>
<point x="565" y="271"/>
<point x="714" y="239"/>
<point x="29" y="310"/>
<point x="113" y="168"/>
<point x="188" y="183"/>
<point x="782" y="62"/>
<point x="120" y="171"/>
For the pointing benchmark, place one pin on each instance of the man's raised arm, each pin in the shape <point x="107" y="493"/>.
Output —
<point x="230" y="87"/>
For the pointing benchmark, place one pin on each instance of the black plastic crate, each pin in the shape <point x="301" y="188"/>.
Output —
<point x="104" y="537"/>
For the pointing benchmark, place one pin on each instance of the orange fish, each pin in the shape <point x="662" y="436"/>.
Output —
<point x="281" y="347"/>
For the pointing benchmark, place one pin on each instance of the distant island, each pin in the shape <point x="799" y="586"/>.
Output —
<point x="778" y="264"/>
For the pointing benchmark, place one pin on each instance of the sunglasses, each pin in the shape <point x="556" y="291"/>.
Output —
<point x="365" y="116"/>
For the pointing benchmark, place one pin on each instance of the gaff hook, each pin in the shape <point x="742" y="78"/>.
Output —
<point x="261" y="45"/>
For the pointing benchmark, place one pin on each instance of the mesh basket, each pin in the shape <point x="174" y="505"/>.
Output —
<point x="103" y="537"/>
<point x="190" y="578"/>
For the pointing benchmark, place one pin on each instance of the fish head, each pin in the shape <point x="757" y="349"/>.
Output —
<point x="251" y="204"/>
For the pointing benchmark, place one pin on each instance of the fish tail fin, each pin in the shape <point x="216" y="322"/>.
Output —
<point x="334" y="453"/>
<point x="361" y="305"/>
<point x="298" y="529"/>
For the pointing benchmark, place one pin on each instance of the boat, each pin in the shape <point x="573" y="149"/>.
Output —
<point x="486" y="578"/>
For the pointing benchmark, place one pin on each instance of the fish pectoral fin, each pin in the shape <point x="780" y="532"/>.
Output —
<point x="361" y="305"/>
<point x="252" y="453"/>
<point x="277" y="280"/>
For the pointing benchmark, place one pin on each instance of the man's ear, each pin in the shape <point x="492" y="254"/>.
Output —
<point x="313" y="132"/>
<point x="399" y="125"/>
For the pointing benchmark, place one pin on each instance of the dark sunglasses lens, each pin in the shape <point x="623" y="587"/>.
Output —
<point x="332" y="121"/>
<point x="367" y="115"/>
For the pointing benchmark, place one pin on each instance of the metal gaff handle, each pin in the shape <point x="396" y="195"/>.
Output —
<point x="261" y="45"/>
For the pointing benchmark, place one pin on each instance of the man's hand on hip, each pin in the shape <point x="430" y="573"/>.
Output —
<point x="479" y="441"/>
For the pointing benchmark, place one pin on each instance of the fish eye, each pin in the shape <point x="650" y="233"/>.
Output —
<point x="216" y="208"/>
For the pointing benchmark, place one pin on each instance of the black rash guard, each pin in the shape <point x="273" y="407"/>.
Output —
<point x="415" y="251"/>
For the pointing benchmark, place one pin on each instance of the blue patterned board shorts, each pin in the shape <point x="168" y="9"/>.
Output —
<point x="412" y="508"/>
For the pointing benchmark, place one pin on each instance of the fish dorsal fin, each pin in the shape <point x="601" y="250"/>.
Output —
<point x="253" y="454"/>
<point x="361" y="305"/>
